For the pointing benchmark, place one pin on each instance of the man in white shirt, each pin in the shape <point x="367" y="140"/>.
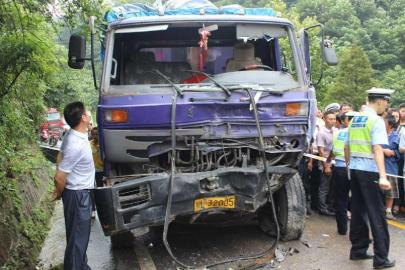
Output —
<point x="74" y="180"/>
<point x="324" y="140"/>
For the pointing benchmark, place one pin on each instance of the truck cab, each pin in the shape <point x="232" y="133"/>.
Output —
<point x="204" y="116"/>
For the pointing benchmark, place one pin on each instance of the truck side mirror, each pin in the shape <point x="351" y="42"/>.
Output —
<point x="77" y="51"/>
<point x="329" y="53"/>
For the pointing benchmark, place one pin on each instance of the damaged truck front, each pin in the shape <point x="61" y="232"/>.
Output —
<point x="201" y="118"/>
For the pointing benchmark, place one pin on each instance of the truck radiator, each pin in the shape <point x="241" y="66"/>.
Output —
<point x="134" y="196"/>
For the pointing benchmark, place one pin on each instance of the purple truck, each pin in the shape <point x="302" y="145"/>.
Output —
<point x="203" y="118"/>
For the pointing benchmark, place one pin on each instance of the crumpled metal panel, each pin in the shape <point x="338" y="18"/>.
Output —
<point x="247" y="184"/>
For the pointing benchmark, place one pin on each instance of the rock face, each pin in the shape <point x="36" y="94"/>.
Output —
<point x="24" y="213"/>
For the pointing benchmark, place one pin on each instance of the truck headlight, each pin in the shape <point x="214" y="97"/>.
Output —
<point x="296" y="109"/>
<point x="116" y="116"/>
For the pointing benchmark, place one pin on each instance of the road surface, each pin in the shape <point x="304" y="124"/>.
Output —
<point x="320" y="247"/>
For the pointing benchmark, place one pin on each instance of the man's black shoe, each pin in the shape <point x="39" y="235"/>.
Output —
<point x="365" y="256"/>
<point x="387" y="264"/>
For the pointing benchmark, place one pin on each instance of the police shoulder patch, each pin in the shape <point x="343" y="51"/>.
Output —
<point x="359" y="121"/>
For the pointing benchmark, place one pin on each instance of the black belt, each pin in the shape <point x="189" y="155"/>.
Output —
<point x="78" y="190"/>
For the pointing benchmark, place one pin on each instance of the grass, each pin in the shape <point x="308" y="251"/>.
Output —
<point x="25" y="225"/>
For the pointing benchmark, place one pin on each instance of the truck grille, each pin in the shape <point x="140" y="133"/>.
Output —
<point x="134" y="196"/>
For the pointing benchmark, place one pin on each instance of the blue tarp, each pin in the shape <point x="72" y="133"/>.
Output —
<point x="128" y="11"/>
<point x="182" y="7"/>
<point x="189" y="4"/>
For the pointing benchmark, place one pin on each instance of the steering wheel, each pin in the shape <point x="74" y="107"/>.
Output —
<point x="252" y="67"/>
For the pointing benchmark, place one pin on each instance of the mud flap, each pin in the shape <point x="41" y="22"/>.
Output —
<point x="105" y="209"/>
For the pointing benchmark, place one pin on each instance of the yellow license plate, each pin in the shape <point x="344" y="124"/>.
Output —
<point x="214" y="202"/>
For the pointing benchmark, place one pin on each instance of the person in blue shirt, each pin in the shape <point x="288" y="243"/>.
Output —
<point x="339" y="174"/>
<point x="391" y="160"/>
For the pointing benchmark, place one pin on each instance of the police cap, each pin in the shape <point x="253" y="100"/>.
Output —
<point x="351" y="114"/>
<point x="380" y="93"/>
<point x="333" y="107"/>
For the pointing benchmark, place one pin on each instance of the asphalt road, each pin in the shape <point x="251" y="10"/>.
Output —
<point x="320" y="247"/>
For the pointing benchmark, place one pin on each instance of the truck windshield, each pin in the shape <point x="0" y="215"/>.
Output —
<point x="177" y="50"/>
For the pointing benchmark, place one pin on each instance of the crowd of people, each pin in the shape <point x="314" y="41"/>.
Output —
<point x="357" y="170"/>
<point x="321" y="177"/>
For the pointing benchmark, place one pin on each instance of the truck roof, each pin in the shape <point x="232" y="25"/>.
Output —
<point x="231" y="18"/>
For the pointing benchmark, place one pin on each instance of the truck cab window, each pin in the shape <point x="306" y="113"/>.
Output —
<point x="138" y="54"/>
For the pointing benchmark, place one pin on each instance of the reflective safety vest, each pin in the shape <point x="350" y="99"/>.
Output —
<point x="339" y="138"/>
<point x="360" y="135"/>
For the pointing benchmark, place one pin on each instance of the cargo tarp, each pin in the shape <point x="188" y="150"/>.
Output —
<point x="182" y="7"/>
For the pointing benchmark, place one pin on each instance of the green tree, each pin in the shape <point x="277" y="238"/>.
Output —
<point x="34" y="74"/>
<point x="354" y="77"/>
<point x="338" y="16"/>
<point x="395" y="79"/>
<point x="365" y="9"/>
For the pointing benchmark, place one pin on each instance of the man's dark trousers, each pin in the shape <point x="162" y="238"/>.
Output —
<point x="77" y="210"/>
<point x="342" y="188"/>
<point x="324" y="193"/>
<point x="303" y="171"/>
<point x="314" y="185"/>
<point x="367" y="200"/>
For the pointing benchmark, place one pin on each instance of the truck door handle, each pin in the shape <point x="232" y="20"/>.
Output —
<point x="114" y="74"/>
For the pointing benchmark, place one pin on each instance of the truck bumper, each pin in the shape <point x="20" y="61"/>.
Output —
<point x="140" y="200"/>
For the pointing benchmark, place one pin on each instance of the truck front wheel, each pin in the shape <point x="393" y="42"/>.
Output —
<point x="290" y="208"/>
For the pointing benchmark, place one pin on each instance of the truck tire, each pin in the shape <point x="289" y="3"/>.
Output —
<point x="290" y="207"/>
<point x="122" y="240"/>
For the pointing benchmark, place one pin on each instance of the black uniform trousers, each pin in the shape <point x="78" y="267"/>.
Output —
<point x="368" y="201"/>
<point x="77" y="206"/>
<point x="341" y="188"/>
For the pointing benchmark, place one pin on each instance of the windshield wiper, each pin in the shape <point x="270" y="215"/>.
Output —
<point x="178" y="90"/>
<point x="209" y="77"/>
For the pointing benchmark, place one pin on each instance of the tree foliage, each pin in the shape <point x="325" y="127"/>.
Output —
<point x="375" y="26"/>
<point x="34" y="73"/>
<point x="394" y="79"/>
<point x="354" y="77"/>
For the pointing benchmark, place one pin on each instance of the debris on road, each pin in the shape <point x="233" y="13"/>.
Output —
<point x="292" y="251"/>
<point x="306" y="243"/>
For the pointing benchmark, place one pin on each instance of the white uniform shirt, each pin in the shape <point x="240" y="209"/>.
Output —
<point x="402" y="142"/>
<point x="77" y="161"/>
<point x="378" y="136"/>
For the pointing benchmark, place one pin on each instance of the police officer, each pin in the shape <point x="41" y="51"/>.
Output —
<point x="363" y="151"/>
<point x="340" y="173"/>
